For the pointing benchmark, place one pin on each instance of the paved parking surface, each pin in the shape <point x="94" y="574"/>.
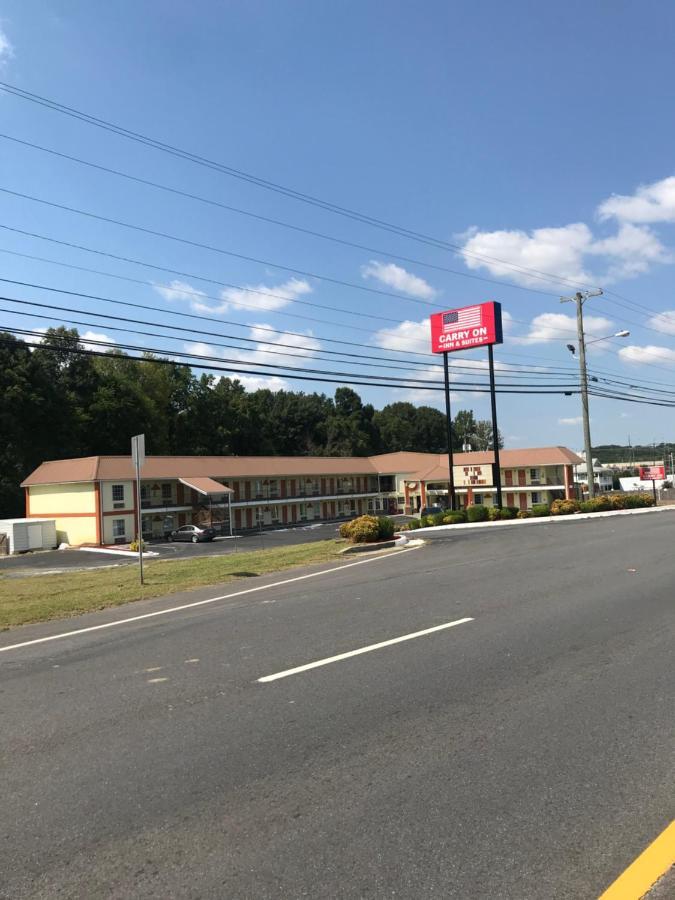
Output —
<point x="59" y="560"/>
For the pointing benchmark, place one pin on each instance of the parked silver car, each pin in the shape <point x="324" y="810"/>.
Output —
<point x="192" y="533"/>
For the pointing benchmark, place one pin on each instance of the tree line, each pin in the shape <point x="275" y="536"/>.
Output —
<point x="56" y="403"/>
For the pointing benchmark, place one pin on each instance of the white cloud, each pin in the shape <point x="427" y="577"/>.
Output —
<point x="559" y="327"/>
<point x="260" y="382"/>
<point x="653" y="202"/>
<point x="572" y="420"/>
<point x="6" y="49"/>
<point x="258" y="297"/>
<point x="630" y="252"/>
<point x="178" y="290"/>
<point x="557" y="250"/>
<point x="263" y="297"/>
<point x="399" y="279"/>
<point x="663" y="321"/>
<point x="567" y="253"/>
<point x="89" y="336"/>
<point x="649" y="354"/>
<point x="414" y="337"/>
<point x="305" y="345"/>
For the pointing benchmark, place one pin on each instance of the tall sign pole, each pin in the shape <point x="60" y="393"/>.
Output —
<point x="495" y="429"/>
<point x="138" y="455"/>
<point x="465" y="329"/>
<point x="448" y="431"/>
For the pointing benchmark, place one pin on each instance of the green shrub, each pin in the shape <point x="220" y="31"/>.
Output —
<point x="524" y="514"/>
<point x="476" y="513"/>
<point x="134" y="546"/>
<point x="565" y="507"/>
<point x="514" y="510"/>
<point x="454" y="518"/>
<point x="494" y="513"/>
<point x="385" y="528"/>
<point x="364" y="530"/>
<point x="633" y="501"/>
<point x="413" y="524"/>
<point x="541" y="509"/>
<point x="508" y="512"/>
<point x="437" y="518"/>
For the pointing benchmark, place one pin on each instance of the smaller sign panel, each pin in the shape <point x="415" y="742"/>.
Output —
<point x="466" y="327"/>
<point x="652" y="473"/>
<point x="138" y="450"/>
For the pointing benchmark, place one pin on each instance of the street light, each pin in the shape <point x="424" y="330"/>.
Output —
<point x="579" y="299"/>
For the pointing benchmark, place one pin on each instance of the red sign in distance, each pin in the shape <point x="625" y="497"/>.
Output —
<point x="652" y="473"/>
<point x="466" y="327"/>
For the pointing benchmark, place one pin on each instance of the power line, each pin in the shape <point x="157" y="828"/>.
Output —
<point x="118" y="302"/>
<point x="280" y="351"/>
<point x="213" y="249"/>
<point x="348" y="379"/>
<point x="273" y="186"/>
<point x="268" y="219"/>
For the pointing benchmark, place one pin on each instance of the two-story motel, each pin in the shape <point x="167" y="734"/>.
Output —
<point x="94" y="499"/>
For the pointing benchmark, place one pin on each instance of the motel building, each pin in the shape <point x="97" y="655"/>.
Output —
<point x="94" y="500"/>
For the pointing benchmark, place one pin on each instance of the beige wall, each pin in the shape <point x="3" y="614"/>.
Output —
<point x="73" y="506"/>
<point x="106" y="494"/>
<point x="130" y="528"/>
<point x="75" y="530"/>
<point x="52" y="499"/>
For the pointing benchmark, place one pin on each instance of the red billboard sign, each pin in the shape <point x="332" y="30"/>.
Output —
<point x="652" y="473"/>
<point x="466" y="327"/>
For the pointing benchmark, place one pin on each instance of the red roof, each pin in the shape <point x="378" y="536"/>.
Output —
<point x="420" y="466"/>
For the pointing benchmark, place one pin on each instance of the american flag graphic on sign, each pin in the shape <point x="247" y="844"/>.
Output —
<point x="469" y="317"/>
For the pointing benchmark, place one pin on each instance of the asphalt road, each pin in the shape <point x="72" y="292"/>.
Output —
<point x="527" y="753"/>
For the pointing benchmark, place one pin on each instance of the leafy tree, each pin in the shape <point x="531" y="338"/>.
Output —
<point x="402" y="426"/>
<point x="464" y="427"/>
<point x="483" y="436"/>
<point x="56" y="402"/>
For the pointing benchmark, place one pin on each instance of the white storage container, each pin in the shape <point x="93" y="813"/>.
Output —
<point x="29" y="534"/>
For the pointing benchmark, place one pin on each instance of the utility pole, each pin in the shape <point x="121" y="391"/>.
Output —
<point x="580" y="298"/>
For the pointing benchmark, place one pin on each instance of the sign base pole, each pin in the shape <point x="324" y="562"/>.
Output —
<point x="495" y="430"/>
<point x="448" y="431"/>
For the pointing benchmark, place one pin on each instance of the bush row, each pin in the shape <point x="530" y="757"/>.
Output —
<point x="367" y="529"/>
<point x="557" y="508"/>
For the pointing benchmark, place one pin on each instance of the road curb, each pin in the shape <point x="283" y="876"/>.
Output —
<point x="544" y="520"/>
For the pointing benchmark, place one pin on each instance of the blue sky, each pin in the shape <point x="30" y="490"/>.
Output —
<point x="531" y="136"/>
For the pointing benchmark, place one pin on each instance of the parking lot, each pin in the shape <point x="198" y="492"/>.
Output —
<point x="41" y="563"/>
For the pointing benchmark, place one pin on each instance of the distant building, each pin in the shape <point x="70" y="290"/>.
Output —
<point x="603" y="476"/>
<point x="94" y="500"/>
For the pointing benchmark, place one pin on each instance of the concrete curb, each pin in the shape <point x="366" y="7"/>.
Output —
<point x="543" y="520"/>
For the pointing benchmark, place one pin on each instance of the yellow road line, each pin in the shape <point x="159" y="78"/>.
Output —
<point x="650" y="865"/>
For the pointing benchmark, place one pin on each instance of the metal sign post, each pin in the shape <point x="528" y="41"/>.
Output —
<point x="495" y="430"/>
<point x="138" y="456"/>
<point x="448" y="428"/>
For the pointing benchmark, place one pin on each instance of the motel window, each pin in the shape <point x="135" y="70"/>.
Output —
<point x="145" y="493"/>
<point x="536" y="497"/>
<point x="534" y="474"/>
<point x="478" y="499"/>
<point x="166" y="492"/>
<point x="119" y="528"/>
<point x="302" y="510"/>
<point x="118" y="496"/>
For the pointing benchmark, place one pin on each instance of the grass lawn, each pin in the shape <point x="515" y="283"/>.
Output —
<point x="38" y="598"/>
